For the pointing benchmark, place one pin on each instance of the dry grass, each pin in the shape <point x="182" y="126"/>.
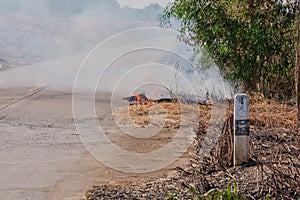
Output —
<point x="274" y="169"/>
<point x="166" y="115"/>
<point x="266" y="113"/>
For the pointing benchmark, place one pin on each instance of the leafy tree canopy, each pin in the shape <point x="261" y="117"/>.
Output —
<point x="250" y="40"/>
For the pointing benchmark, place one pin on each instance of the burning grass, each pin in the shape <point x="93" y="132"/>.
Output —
<point x="274" y="169"/>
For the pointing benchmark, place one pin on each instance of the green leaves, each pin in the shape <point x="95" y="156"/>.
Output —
<point x="251" y="41"/>
<point x="231" y="193"/>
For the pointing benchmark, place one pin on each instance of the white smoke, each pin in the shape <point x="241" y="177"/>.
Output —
<point x="54" y="37"/>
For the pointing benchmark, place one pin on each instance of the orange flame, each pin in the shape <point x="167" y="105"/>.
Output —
<point x="142" y="99"/>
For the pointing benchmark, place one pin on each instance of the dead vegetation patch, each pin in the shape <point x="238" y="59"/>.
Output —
<point x="274" y="168"/>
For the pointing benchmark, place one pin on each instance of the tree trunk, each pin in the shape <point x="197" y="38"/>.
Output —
<point x="297" y="70"/>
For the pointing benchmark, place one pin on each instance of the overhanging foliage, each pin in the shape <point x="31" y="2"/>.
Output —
<point x="251" y="41"/>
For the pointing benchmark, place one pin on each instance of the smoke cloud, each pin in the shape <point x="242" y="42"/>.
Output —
<point x="46" y="41"/>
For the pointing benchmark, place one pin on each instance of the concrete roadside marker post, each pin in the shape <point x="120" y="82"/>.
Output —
<point x="241" y="129"/>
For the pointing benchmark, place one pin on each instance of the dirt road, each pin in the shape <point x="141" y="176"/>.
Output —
<point x="41" y="155"/>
